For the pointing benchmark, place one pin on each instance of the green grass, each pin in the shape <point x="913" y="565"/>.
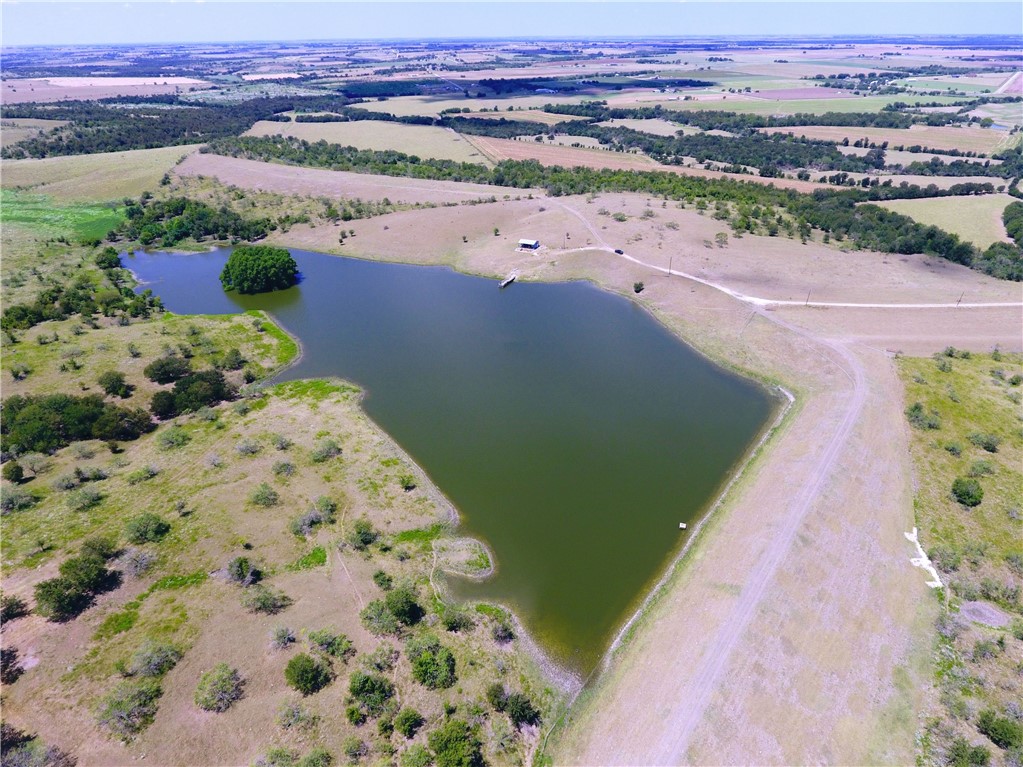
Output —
<point x="421" y="537"/>
<point x="287" y="347"/>
<point x="47" y="217"/>
<point x="974" y="219"/>
<point x="315" y="558"/>
<point x="315" y="390"/>
<point x="126" y="618"/>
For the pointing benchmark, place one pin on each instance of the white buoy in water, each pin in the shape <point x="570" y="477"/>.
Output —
<point x="681" y="525"/>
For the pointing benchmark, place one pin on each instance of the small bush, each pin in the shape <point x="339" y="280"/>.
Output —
<point x="248" y="447"/>
<point x="146" y="528"/>
<point x="362" y="534"/>
<point x="153" y="659"/>
<point x="455" y="745"/>
<point x="520" y="710"/>
<point x="378" y="619"/>
<point x="381" y="659"/>
<point x="981" y="469"/>
<point x="13" y="472"/>
<point x="172" y="437"/>
<point x="371" y="691"/>
<point x="921" y="419"/>
<point x="241" y="571"/>
<point x="260" y="599"/>
<point x="1003" y="732"/>
<point x="433" y="665"/>
<point x="162" y="405"/>
<point x="265" y="496"/>
<point x="84" y="499"/>
<point x="167" y="369"/>
<point x="637" y="287"/>
<point x="218" y="688"/>
<point x="408" y="721"/>
<point x="962" y="754"/>
<point x="15" y="499"/>
<point x="129" y="708"/>
<point x="356" y="716"/>
<point x="496" y="696"/>
<point x="456" y="620"/>
<point x="416" y="756"/>
<point x="330" y="643"/>
<point x="307" y="674"/>
<point x="137" y="562"/>
<point x="280" y="442"/>
<point x="401" y="601"/>
<point x="292" y="716"/>
<point x="281" y="638"/>
<point x="354" y="749"/>
<point x="325" y="450"/>
<point x="318" y="757"/>
<point x="988" y="442"/>
<point x="967" y="491"/>
<point x="141" y="475"/>
<point x="383" y="580"/>
<point x="12" y="607"/>
<point x="278" y="757"/>
<point x="407" y="482"/>
<point x="283" y="469"/>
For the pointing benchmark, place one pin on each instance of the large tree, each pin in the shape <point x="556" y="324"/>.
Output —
<point x="258" y="269"/>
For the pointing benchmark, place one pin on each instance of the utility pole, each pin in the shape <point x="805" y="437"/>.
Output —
<point x="960" y="298"/>
<point x="807" y="303"/>
<point x="670" y="260"/>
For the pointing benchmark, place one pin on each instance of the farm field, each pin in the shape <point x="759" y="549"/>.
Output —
<point x="528" y="114"/>
<point x="654" y="126"/>
<point x="85" y="88"/>
<point x="498" y="149"/>
<point x="974" y="219"/>
<point x="434" y="105"/>
<point x="106" y="176"/>
<point x="762" y="106"/>
<point x="983" y="140"/>
<point x="420" y="140"/>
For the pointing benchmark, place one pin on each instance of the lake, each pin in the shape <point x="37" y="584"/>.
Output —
<point x="570" y="429"/>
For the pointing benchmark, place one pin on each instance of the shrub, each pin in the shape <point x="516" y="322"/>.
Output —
<point x="496" y="696"/>
<point x="281" y="638"/>
<point x="278" y="757"/>
<point x="248" y="447"/>
<point x="280" y="442"/>
<point x="199" y="390"/>
<point x="218" y="688"/>
<point x="102" y="546"/>
<point x="241" y="571"/>
<point x="962" y="754"/>
<point x="407" y="482"/>
<point x="637" y="287"/>
<point x="10" y="667"/>
<point x="146" y="528"/>
<point x="260" y="599"/>
<point x="988" y="442"/>
<point x="137" y="562"/>
<point x="264" y="496"/>
<point x="305" y="524"/>
<point x="329" y="643"/>
<point x="1003" y="732"/>
<point x="455" y="745"/>
<point x="945" y="558"/>
<point x="416" y="756"/>
<point x="113" y="383"/>
<point x="129" y="708"/>
<point x="13" y="472"/>
<point x="283" y="469"/>
<point x="362" y="534"/>
<point x="141" y="475"/>
<point x="378" y="619"/>
<point x="383" y="580"/>
<point x="65" y="482"/>
<point x="307" y="674"/>
<point x="258" y="269"/>
<point x="86" y="498"/>
<point x="325" y="450"/>
<point x="353" y="748"/>
<point x="167" y="369"/>
<point x="433" y="665"/>
<point x="456" y="620"/>
<point x="382" y="658"/>
<point x="371" y="691"/>
<point x="408" y="721"/>
<point x="15" y="499"/>
<point x="520" y="710"/>
<point x="172" y="437"/>
<point x="401" y="601"/>
<point x="12" y="607"/>
<point x="294" y="716"/>
<point x="60" y="600"/>
<point x="967" y="491"/>
<point x="232" y="360"/>
<point x="153" y="659"/>
<point x="356" y="716"/>
<point x="921" y="419"/>
<point x="318" y="757"/>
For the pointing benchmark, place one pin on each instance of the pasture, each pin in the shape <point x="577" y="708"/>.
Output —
<point x="983" y="140"/>
<point x="93" y="177"/>
<point x="975" y="219"/>
<point x="764" y="106"/>
<point x="420" y="140"/>
<point x="13" y="131"/>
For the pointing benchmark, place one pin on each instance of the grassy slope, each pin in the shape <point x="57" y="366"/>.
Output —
<point x="971" y="546"/>
<point x="974" y="219"/>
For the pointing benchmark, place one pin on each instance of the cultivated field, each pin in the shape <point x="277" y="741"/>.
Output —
<point x="965" y="139"/>
<point x="88" y="88"/>
<point x="107" y="176"/>
<point x="420" y="140"/>
<point x="13" y="131"/>
<point x="974" y="219"/>
<point x="763" y="106"/>
<point x="656" y="127"/>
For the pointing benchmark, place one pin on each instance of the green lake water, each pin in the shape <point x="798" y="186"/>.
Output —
<point x="570" y="429"/>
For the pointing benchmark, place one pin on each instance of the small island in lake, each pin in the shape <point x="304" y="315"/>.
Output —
<point x="259" y="269"/>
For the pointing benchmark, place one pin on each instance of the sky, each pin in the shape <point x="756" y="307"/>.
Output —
<point x="40" y="22"/>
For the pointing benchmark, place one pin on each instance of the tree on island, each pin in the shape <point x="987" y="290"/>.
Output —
<point x="259" y="269"/>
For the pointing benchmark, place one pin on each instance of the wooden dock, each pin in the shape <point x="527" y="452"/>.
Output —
<point x="507" y="281"/>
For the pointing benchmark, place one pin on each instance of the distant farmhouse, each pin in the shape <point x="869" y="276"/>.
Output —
<point x="529" y="244"/>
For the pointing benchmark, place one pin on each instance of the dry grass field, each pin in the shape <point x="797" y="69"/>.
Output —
<point x="974" y="219"/>
<point x="420" y="140"/>
<point x="103" y="177"/>
<point x="657" y="127"/>
<point x="529" y="115"/>
<point x="965" y="139"/>
<point x="286" y="179"/>
<point x="89" y="88"/>
<point x="13" y="131"/>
